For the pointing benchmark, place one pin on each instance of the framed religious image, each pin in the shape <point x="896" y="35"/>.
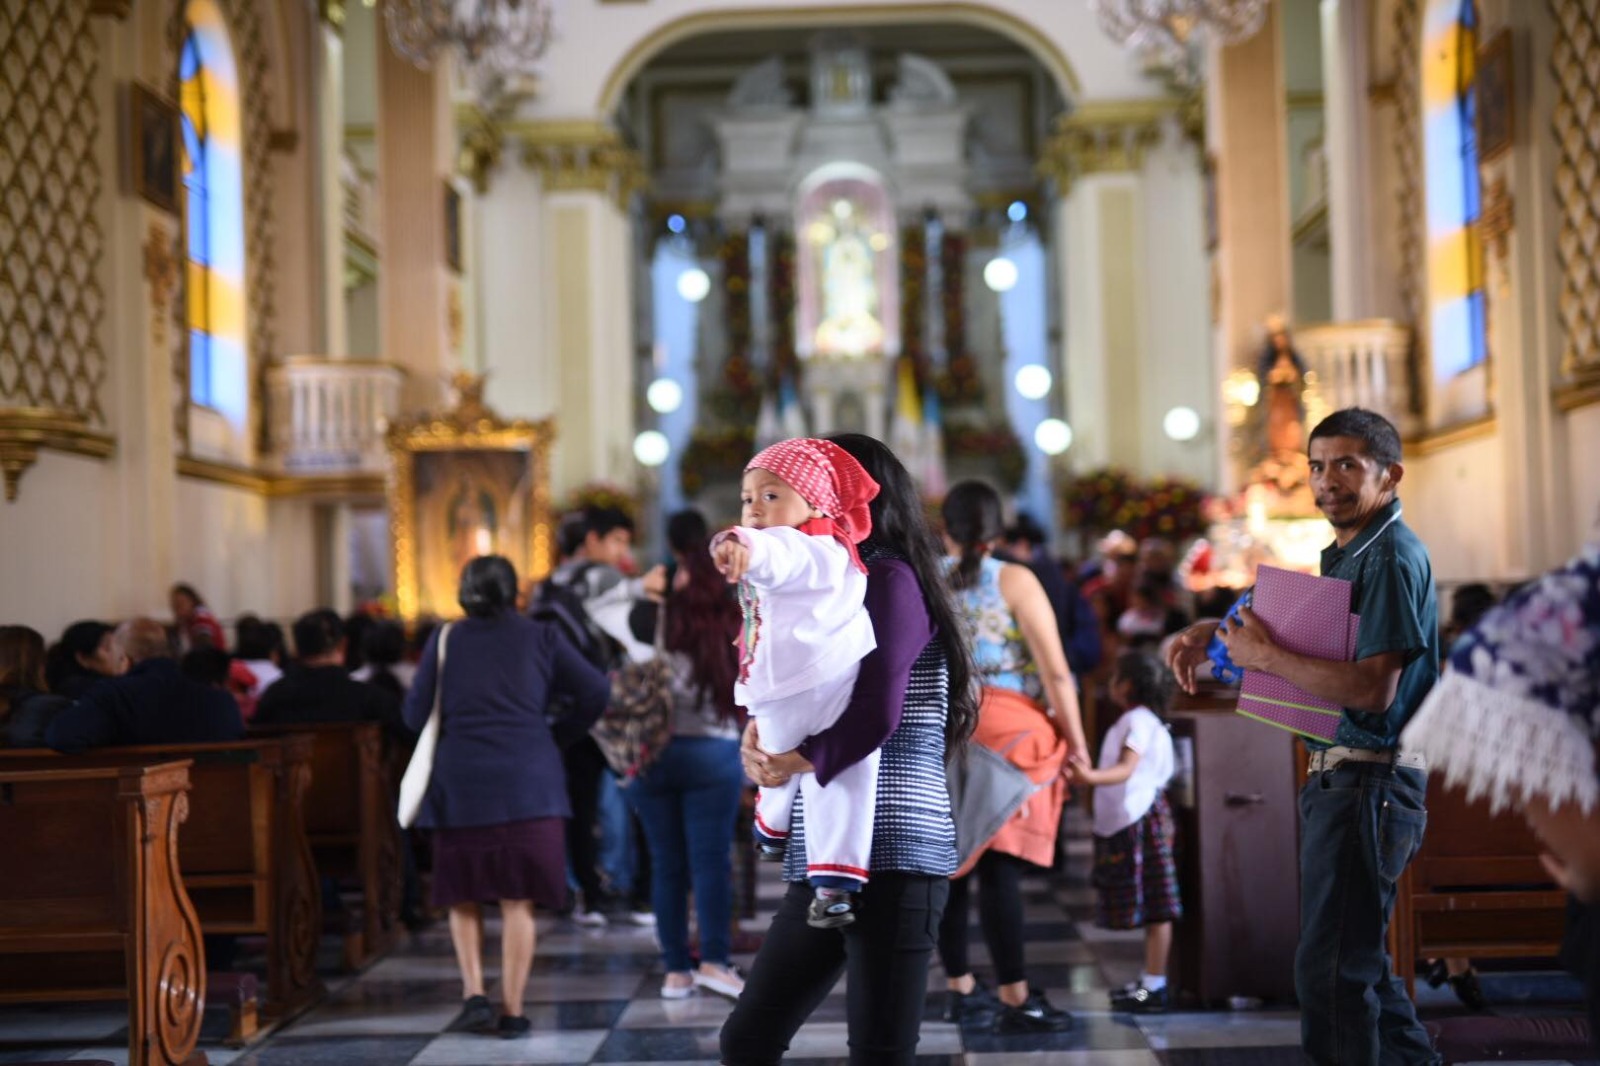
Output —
<point x="153" y="147"/>
<point x="452" y="226"/>
<point x="464" y="484"/>
<point x="1496" y="98"/>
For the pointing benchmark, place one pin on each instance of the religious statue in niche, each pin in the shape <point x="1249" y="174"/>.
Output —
<point x="848" y="304"/>
<point x="850" y="324"/>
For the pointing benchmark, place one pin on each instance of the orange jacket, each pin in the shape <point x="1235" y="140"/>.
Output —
<point x="1010" y="723"/>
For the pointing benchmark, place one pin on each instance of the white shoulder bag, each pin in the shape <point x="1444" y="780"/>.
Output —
<point x="414" y="785"/>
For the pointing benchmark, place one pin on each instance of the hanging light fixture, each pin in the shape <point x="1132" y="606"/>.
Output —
<point x="498" y="40"/>
<point x="1161" y="30"/>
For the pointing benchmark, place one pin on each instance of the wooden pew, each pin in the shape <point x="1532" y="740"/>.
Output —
<point x="350" y="822"/>
<point x="92" y="906"/>
<point x="1475" y="890"/>
<point x="245" y="860"/>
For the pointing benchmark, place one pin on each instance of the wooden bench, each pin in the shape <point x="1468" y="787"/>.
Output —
<point x="244" y="856"/>
<point x="1475" y="890"/>
<point x="351" y="826"/>
<point x="92" y="906"/>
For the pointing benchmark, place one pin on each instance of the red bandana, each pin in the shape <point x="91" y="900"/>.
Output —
<point x="829" y="479"/>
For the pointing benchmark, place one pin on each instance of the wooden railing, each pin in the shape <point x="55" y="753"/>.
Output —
<point x="329" y="416"/>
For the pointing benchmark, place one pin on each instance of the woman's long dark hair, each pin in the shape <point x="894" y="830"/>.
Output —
<point x="703" y="622"/>
<point x="900" y="527"/>
<point x="973" y="518"/>
<point x="21" y="665"/>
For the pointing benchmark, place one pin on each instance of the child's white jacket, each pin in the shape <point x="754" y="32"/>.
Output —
<point x="805" y="622"/>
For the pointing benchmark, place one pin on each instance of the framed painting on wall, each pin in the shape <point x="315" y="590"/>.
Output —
<point x="153" y="147"/>
<point x="464" y="484"/>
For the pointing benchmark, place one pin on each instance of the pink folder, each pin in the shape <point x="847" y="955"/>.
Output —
<point x="1310" y="616"/>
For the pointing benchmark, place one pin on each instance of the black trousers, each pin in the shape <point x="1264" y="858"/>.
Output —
<point x="584" y="764"/>
<point x="999" y="911"/>
<point x="885" y="953"/>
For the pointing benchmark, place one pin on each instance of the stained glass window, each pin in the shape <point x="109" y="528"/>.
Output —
<point x="1456" y="300"/>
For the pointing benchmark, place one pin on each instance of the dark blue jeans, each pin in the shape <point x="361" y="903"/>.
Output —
<point x="1360" y="823"/>
<point x="687" y="801"/>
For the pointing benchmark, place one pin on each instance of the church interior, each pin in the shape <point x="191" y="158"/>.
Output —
<point x="307" y="303"/>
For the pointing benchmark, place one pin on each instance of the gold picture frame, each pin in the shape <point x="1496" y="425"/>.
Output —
<point x="462" y="484"/>
<point x="1495" y="106"/>
<point x="152" y="125"/>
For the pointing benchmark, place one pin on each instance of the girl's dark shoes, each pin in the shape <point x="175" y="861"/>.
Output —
<point x="1140" y="1000"/>
<point x="1036" y="1015"/>
<point x="476" y="1017"/>
<point x="975" y="1009"/>
<point x="1469" y="991"/>
<point x="511" y="1027"/>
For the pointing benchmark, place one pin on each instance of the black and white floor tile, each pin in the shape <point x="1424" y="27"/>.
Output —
<point x="593" y="998"/>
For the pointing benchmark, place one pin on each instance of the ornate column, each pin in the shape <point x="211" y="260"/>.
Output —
<point x="416" y="153"/>
<point x="1245" y="130"/>
<point x="1345" y="33"/>
<point x="588" y="176"/>
<point x="1094" y="159"/>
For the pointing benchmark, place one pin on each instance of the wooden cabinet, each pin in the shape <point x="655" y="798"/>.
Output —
<point x="1238" y="864"/>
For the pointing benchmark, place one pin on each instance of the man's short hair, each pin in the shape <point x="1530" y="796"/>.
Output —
<point x="603" y="520"/>
<point x="1026" y="528"/>
<point x="142" y="639"/>
<point x="1368" y="427"/>
<point x="317" y="633"/>
<point x="570" y="533"/>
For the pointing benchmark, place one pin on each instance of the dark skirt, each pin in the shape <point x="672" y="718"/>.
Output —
<point x="513" y="860"/>
<point x="1136" y="872"/>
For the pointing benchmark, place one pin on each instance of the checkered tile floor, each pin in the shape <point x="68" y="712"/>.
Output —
<point x="593" y="998"/>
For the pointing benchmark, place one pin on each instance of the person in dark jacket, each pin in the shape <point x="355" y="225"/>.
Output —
<point x="86" y="654"/>
<point x="153" y="703"/>
<point x="497" y="795"/>
<point x="26" y="709"/>
<point x="319" y="689"/>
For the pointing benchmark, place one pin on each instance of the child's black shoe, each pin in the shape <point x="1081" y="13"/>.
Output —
<point x="1142" y="1001"/>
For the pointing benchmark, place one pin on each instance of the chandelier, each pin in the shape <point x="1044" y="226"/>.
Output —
<point x="497" y="40"/>
<point x="1161" y="29"/>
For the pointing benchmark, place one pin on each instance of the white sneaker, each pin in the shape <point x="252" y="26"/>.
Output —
<point x="723" y="980"/>
<point x="589" y="919"/>
<point x="671" y="989"/>
<point x="642" y="917"/>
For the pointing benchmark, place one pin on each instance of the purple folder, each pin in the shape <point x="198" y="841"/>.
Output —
<point x="1310" y="616"/>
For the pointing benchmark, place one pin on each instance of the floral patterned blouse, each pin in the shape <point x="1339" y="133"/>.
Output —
<point x="1002" y="656"/>
<point x="1517" y="714"/>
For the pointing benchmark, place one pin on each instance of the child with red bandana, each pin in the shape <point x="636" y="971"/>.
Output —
<point x="806" y="630"/>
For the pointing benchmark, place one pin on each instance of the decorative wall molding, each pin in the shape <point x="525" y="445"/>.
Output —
<point x="51" y="305"/>
<point x="244" y="19"/>
<point x="1105" y="137"/>
<point x="1575" y="62"/>
<point x="342" y="487"/>
<point x="23" y="431"/>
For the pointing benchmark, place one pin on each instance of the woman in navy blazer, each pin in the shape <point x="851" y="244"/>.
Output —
<point x="497" y="797"/>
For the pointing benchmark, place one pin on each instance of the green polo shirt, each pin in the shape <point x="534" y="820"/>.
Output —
<point x="1391" y="588"/>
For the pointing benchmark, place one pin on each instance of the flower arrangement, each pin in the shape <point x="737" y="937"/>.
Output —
<point x="602" y="494"/>
<point x="713" y="453"/>
<point x="1111" y="498"/>
<point x="913" y="282"/>
<point x="781" y="303"/>
<point x="997" y="445"/>
<point x="735" y="255"/>
<point x="958" y="382"/>
<point x="952" y="266"/>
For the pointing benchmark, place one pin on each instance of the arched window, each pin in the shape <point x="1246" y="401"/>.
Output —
<point x="213" y="183"/>
<point x="1457" y="311"/>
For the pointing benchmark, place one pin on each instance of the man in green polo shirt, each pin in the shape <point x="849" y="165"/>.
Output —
<point x="1361" y="811"/>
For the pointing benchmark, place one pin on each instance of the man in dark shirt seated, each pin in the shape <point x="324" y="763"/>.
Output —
<point x="319" y="689"/>
<point x="153" y="703"/>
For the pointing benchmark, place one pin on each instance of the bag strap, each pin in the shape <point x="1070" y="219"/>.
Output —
<point x="661" y="623"/>
<point x="438" y="679"/>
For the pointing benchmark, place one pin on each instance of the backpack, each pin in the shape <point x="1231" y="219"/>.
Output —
<point x="563" y="603"/>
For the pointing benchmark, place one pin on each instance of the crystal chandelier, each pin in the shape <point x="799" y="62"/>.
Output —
<point x="497" y="40"/>
<point x="1161" y="29"/>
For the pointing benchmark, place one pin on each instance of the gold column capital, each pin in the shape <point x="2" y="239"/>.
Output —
<point x="482" y="140"/>
<point x="332" y="12"/>
<point x="583" y="156"/>
<point x="1104" y="137"/>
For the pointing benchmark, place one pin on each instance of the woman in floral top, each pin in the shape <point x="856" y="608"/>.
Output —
<point x="1517" y="718"/>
